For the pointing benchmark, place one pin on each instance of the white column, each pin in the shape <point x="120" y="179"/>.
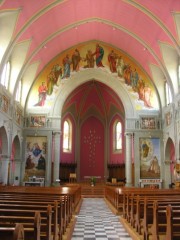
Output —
<point x="128" y="165"/>
<point x="56" y="136"/>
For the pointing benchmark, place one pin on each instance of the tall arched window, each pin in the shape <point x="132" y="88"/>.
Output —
<point x="6" y="75"/>
<point x="67" y="136"/>
<point x="118" y="136"/>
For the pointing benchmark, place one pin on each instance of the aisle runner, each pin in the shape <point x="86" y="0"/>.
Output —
<point x="96" y="221"/>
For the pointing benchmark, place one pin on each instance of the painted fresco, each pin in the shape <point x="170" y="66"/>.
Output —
<point x="149" y="158"/>
<point x="148" y="123"/>
<point x="4" y="103"/>
<point x="18" y="115"/>
<point x="168" y="118"/>
<point x="93" y="55"/>
<point x="37" y="121"/>
<point x="35" y="157"/>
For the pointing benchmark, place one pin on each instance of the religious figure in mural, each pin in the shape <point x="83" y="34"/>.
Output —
<point x="116" y="63"/>
<point x="36" y="149"/>
<point x="57" y="70"/>
<point x="134" y="79"/>
<point x="41" y="163"/>
<point x="140" y="89"/>
<point x="36" y="156"/>
<point x="112" y="57"/>
<point x="120" y="66"/>
<point x="147" y="96"/>
<point x="144" y="92"/>
<point x="145" y="150"/>
<point x="89" y="59"/>
<point x="50" y="82"/>
<point x="52" y="78"/>
<point x="42" y="90"/>
<point x="76" y="58"/>
<point x="127" y="74"/>
<point x="67" y="66"/>
<point x="154" y="166"/>
<point x="99" y="53"/>
<point x="29" y="163"/>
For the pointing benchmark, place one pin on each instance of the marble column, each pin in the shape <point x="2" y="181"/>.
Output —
<point x="128" y="164"/>
<point x="56" y="143"/>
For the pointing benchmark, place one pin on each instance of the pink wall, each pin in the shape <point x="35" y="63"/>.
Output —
<point x="92" y="148"/>
<point x="116" y="158"/>
<point x="68" y="157"/>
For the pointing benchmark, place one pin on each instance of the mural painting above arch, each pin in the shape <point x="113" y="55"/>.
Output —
<point x="93" y="55"/>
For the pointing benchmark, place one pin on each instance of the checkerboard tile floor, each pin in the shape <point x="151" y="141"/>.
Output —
<point x="96" y="221"/>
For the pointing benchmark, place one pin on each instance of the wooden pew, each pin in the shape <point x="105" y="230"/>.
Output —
<point x="130" y="194"/>
<point x="18" y="233"/>
<point x="113" y="195"/>
<point x="54" y="192"/>
<point x="35" y="223"/>
<point x="67" y="199"/>
<point x="61" y="210"/>
<point x="154" y="220"/>
<point x="12" y="233"/>
<point x="139" y="214"/>
<point x="31" y="205"/>
<point x="131" y="197"/>
<point x="173" y="223"/>
<point x="31" y="225"/>
<point x="57" y="212"/>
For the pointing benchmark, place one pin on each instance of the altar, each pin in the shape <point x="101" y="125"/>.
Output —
<point x="88" y="178"/>
<point x="35" y="181"/>
<point x="150" y="183"/>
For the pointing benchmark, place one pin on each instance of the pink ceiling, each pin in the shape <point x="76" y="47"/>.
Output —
<point x="93" y="95"/>
<point x="126" y="24"/>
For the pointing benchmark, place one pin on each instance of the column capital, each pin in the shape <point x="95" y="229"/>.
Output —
<point x="129" y="134"/>
<point x="56" y="132"/>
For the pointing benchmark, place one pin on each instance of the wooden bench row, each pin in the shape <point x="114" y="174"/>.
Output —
<point x="145" y="210"/>
<point x="55" y="208"/>
<point x="15" y="233"/>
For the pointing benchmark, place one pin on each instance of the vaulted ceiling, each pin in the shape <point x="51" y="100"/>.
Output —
<point x="35" y="32"/>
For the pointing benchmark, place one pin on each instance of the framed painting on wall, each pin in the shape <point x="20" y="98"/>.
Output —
<point x="148" y="123"/>
<point x="149" y="150"/>
<point x="37" y="120"/>
<point x="18" y="115"/>
<point x="168" y="118"/>
<point x="4" y="103"/>
<point x="35" y="156"/>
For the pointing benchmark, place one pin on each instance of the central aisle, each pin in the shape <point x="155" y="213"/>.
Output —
<point x="96" y="221"/>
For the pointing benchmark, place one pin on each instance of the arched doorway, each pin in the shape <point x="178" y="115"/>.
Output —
<point x="15" y="162"/>
<point x="169" y="161"/>
<point x="4" y="160"/>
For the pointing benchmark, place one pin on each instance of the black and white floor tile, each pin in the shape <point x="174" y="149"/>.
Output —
<point x="96" y="221"/>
